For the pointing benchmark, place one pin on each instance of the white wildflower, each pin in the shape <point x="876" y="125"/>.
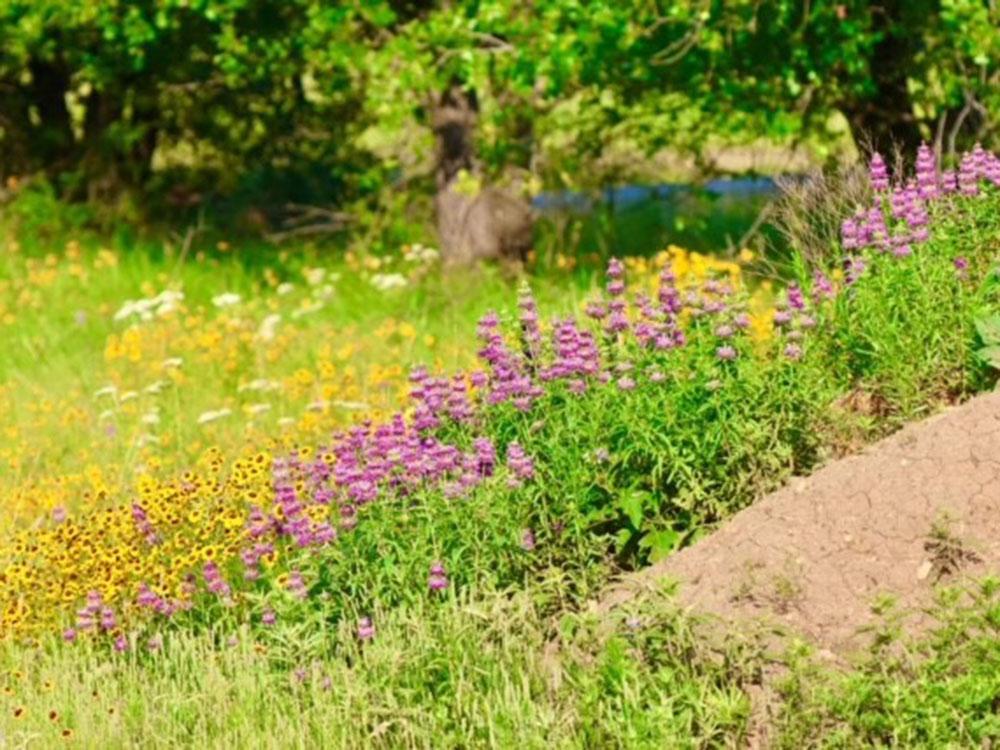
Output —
<point x="286" y="421"/>
<point x="139" y="307"/>
<point x="172" y="362"/>
<point x="285" y="288"/>
<point x="260" y="384"/>
<point x="212" y="416"/>
<point x="151" y="418"/>
<point x="318" y="406"/>
<point x="268" y="327"/>
<point x="128" y="396"/>
<point x="167" y="302"/>
<point x="108" y="390"/>
<point x="418" y="253"/>
<point x="125" y="311"/>
<point x="386" y="281"/>
<point x="156" y="387"/>
<point x="256" y="409"/>
<point x="228" y="299"/>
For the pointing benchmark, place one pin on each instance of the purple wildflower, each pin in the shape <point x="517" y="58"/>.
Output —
<point x="596" y="310"/>
<point x="366" y="630"/>
<point x="296" y="585"/>
<point x="438" y="578"/>
<point x="927" y="179"/>
<point x="793" y="351"/>
<point x="726" y="353"/>
<point x="108" y="620"/>
<point x="822" y="287"/>
<point x="796" y="300"/>
<point x="961" y="264"/>
<point x="878" y="173"/>
<point x="849" y="234"/>
<point x="968" y="175"/>
<point x="855" y="268"/>
<point x="528" y="540"/>
<point x="520" y="464"/>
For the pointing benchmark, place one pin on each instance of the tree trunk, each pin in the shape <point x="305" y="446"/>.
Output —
<point x="51" y="142"/>
<point x="473" y="224"/>
<point x="109" y="168"/>
<point x="884" y="121"/>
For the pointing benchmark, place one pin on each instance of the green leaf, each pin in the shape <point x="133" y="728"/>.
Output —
<point x="988" y="329"/>
<point x="990" y="355"/>
<point x="660" y="543"/>
<point x="632" y="504"/>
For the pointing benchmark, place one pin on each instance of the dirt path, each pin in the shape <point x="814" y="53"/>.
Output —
<point x="814" y="556"/>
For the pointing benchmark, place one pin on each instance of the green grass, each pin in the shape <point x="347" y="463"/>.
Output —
<point x="486" y="672"/>
<point x="495" y="671"/>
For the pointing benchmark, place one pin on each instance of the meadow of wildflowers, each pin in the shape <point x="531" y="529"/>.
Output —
<point x="262" y="471"/>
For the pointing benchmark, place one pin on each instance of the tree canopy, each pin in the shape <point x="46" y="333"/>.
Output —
<point x="337" y="98"/>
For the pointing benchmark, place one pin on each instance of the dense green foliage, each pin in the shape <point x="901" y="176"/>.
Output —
<point x="333" y="101"/>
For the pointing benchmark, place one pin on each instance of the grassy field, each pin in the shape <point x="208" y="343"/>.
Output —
<point x="262" y="497"/>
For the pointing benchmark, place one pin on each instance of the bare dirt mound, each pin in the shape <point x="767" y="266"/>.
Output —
<point x="919" y="508"/>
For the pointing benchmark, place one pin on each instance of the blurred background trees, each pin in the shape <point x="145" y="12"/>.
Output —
<point x="160" y="106"/>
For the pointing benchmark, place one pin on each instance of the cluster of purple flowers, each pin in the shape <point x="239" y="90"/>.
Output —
<point x="575" y="355"/>
<point x="522" y="468"/>
<point x="976" y="166"/>
<point x="297" y="585"/>
<point x="143" y="525"/>
<point x="657" y="324"/>
<point x="899" y="217"/>
<point x="214" y="581"/>
<point x="793" y="318"/>
<point x="94" y="615"/>
<point x="290" y="519"/>
<point x="510" y="378"/>
<point x="251" y="555"/>
<point x="436" y="397"/>
<point x="164" y="606"/>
